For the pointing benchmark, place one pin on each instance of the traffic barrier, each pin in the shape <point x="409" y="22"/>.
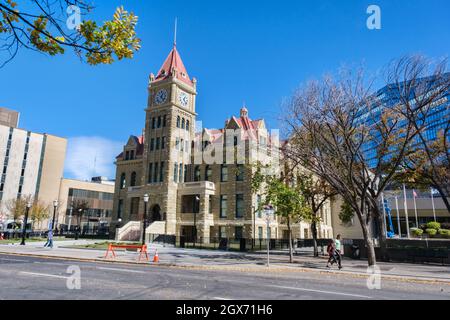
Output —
<point x="142" y="249"/>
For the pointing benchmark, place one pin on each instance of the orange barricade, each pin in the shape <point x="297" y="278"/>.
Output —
<point x="142" y="249"/>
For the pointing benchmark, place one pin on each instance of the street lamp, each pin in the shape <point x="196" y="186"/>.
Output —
<point x="269" y="211"/>
<point x="55" y="205"/>
<point x="197" y="201"/>
<point x="24" y="227"/>
<point x="145" y="217"/>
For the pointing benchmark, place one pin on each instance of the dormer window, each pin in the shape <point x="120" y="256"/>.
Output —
<point x="163" y="72"/>
<point x="183" y="75"/>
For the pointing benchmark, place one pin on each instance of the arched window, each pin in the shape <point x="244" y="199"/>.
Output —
<point x="178" y="121"/>
<point x="187" y="125"/>
<point x="208" y="173"/>
<point x="164" y="121"/>
<point x="183" y="122"/>
<point x="133" y="179"/>
<point x="197" y="173"/>
<point x="122" y="181"/>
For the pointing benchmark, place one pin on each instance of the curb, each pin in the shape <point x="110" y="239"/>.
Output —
<point x="409" y="279"/>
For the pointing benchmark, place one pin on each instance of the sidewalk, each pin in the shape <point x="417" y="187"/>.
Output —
<point x="206" y="259"/>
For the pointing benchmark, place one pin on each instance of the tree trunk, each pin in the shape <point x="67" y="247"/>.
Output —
<point x="382" y="226"/>
<point x="314" y="236"/>
<point x="291" y="251"/>
<point x="371" y="257"/>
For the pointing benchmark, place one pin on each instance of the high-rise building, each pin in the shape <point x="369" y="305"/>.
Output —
<point x="9" y="118"/>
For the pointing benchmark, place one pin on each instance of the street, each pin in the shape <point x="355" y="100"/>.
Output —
<point x="47" y="278"/>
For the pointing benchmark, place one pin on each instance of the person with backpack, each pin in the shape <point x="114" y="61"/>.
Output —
<point x="331" y="250"/>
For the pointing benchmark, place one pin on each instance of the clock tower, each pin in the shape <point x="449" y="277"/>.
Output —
<point x="169" y="132"/>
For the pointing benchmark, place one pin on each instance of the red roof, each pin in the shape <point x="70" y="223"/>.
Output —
<point x="174" y="66"/>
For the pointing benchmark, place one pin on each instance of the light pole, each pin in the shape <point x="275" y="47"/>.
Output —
<point x="145" y="218"/>
<point x="24" y="227"/>
<point x="268" y="211"/>
<point x="55" y="205"/>
<point x="197" y="201"/>
<point x="254" y="226"/>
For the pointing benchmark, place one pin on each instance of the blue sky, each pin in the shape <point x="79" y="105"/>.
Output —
<point x="252" y="51"/>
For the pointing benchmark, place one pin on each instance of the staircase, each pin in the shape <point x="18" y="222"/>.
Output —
<point x="129" y="232"/>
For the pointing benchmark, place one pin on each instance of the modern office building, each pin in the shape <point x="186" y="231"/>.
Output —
<point x="94" y="198"/>
<point x="198" y="180"/>
<point x="32" y="166"/>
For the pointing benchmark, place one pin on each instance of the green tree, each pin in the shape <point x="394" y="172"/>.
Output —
<point x="42" y="26"/>
<point x="39" y="212"/>
<point x="346" y="214"/>
<point x="289" y="204"/>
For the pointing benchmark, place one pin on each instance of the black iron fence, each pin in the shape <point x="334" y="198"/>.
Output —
<point x="231" y="244"/>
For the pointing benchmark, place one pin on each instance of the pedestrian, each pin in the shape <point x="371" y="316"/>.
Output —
<point x="49" y="242"/>
<point x="338" y="246"/>
<point x="331" y="250"/>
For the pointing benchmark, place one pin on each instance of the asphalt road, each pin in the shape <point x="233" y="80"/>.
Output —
<point x="41" y="278"/>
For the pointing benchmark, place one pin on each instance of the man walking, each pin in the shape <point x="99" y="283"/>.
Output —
<point x="338" y="250"/>
<point x="49" y="242"/>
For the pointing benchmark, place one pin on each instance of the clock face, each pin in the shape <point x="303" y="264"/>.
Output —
<point x="161" y="96"/>
<point x="183" y="98"/>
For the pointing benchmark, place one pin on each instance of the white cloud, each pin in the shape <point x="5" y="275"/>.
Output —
<point x="91" y="156"/>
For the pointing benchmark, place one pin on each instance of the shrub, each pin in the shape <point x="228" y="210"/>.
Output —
<point x="445" y="233"/>
<point x="431" y="232"/>
<point x="433" y="225"/>
<point x="445" y="225"/>
<point x="423" y="227"/>
<point x="416" y="232"/>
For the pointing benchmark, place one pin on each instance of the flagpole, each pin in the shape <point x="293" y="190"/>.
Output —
<point x="432" y="202"/>
<point x="398" y="218"/>
<point x="415" y="209"/>
<point x="406" y="212"/>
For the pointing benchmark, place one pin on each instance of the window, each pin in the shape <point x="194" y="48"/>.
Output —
<point x="223" y="232"/>
<point x="163" y="143"/>
<point x="161" y="172"/>
<point x="177" y="143"/>
<point x="178" y="121"/>
<point x="132" y="155"/>
<point x="224" y="173"/>
<point x="183" y="122"/>
<point x="158" y="143"/>
<point x="122" y="181"/>
<point x="258" y="204"/>
<point x="175" y="172"/>
<point x="197" y="173"/>
<point x="182" y="145"/>
<point x="133" y="179"/>
<point x="185" y="173"/>
<point x="238" y="233"/>
<point x="127" y="155"/>
<point x="210" y="204"/>
<point x="4" y="169"/>
<point x="134" y="206"/>
<point x="156" y="173"/>
<point x="153" y="123"/>
<point x="187" y="125"/>
<point x="239" y="206"/>
<point x="164" y="121"/>
<point x="152" y="144"/>
<point x="187" y="146"/>
<point x="180" y="178"/>
<point x="260" y="232"/>
<point x="223" y="206"/>
<point x="208" y="173"/>
<point x="120" y="209"/>
<point x="240" y="172"/>
<point x="150" y="172"/>
<point x="159" y="122"/>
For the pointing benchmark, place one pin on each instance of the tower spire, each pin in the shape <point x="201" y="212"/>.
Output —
<point x="175" y="33"/>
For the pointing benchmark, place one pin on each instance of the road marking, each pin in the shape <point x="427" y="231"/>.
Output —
<point x="322" y="291"/>
<point x="15" y="260"/>
<point x="50" y="263"/>
<point x="42" y="275"/>
<point x="121" y="270"/>
<point x="219" y="298"/>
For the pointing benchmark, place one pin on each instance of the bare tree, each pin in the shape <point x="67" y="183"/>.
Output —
<point x="355" y="140"/>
